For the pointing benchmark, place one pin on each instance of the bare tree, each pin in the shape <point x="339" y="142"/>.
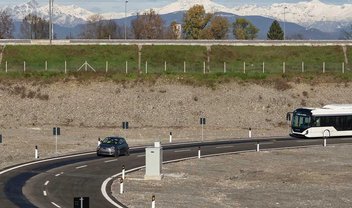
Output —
<point x="149" y="25"/>
<point x="97" y="28"/>
<point x="6" y="24"/>
<point x="34" y="27"/>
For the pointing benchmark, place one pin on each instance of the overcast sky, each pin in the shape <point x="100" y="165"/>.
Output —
<point x="134" y="5"/>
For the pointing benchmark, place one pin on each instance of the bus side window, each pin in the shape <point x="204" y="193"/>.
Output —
<point x="316" y="122"/>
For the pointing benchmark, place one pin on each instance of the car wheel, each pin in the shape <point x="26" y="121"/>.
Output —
<point x="98" y="154"/>
<point x="127" y="152"/>
<point x="117" y="153"/>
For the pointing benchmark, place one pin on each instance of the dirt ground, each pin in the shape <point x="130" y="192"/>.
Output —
<point x="307" y="177"/>
<point x="86" y="111"/>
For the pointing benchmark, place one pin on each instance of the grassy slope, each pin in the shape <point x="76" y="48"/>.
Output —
<point x="194" y="56"/>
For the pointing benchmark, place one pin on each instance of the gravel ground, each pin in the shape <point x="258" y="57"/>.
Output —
<point x="308" y="177"/>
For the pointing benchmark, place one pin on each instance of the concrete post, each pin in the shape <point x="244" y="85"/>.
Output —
<point x="244" y="67"/>
<point x="302" y="67"/>
<point x="258" y="148"/>
<point x="126" y="67"/>
<point x="165" y="66"/>
<point x="146" y="67"/>
<point x="139" y="58"/>
<point x="250" y="132"/>
<point x="263" y="67"/>
<point x="283" y="67"/>
<point x="6" y="66"/>
<point x="65" y="67"/>
<point x="106" y="66"/>
<point x="343" y="67"/>
<point x="46" y="65"/>
<point x="224" y="67"/>
<point x="323" y="67"/>
<point x="24" y="66"/>
<point x="184" y="67"/>
<point x="170" y="137"/>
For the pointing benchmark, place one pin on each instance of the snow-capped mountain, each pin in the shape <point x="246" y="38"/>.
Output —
<point x="310" y="14"/>
<point x="68" y="16"/>
<point x="305" y="13"/>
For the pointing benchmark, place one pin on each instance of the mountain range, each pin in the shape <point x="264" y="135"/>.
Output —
<point x="310" y="19"/>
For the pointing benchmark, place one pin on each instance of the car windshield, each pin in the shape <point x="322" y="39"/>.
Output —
<point x="111" y="140"/>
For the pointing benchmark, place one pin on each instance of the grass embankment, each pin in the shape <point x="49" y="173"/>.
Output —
<point x="237" y="59"/>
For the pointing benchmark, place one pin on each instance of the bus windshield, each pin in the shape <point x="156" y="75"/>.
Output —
<point x="300" y="122"/>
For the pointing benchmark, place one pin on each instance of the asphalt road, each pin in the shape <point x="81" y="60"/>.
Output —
<point x="55" y="183"/>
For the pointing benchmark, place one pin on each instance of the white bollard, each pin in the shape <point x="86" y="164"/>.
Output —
<point x="99" y="141"/>
<point x="324" y="142"/>
<point x="170" y="137"/>
<point x="24" y="66"/>
<point x="36" y="155"/>
<point x="250" y="132"/>
<point x="283" y="67"/>
<point x="121" y="186"/>
<point x="106" y="66"/>
<point x="302" y="67"/>
<point x="165" y="66"/>
<point x="199" y="153"/>
<point x="224" y="67"/>
<point x="65" y="67"/>
<point x="6" y="66"/>
<point x="323" y="67"/>
<point x="184" y="67"/>
<point x="46" y="65"/>
<point x="204" y="67"/>
<point x="123" y="172"/>
<point x="258" y="148"/>
<point x="153" y="201"/>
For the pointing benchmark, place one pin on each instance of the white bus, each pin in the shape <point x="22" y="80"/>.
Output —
<point x="329" y="121"/>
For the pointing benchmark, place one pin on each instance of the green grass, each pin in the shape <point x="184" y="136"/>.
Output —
<point x="175" y="57"/>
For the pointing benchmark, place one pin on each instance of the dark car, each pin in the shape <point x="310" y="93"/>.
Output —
<point x="114" y="146"/>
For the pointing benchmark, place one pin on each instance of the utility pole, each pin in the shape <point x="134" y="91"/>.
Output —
<point x="50" y="21"/>
<point x="125" y="19"/>
<point x="285" y="22"/>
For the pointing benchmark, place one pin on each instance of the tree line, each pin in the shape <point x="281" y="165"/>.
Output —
<point x="197" y="24"/>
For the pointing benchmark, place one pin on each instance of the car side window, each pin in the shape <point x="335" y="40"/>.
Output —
<point x="121" y="141"/>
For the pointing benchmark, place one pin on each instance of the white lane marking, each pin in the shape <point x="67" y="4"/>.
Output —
<point x="107" y="161"/>
<point x="186" y="150"/>
<point x="140" y="155"/>
<point x="44" y="193"/>
<point x="42" y="161"/>
<point x="224" y="147"/>
<point x="46" y="183"/>
<point x="55" y="205"/>
<point x="59" y="174"/>
<point x="83" y="166"/>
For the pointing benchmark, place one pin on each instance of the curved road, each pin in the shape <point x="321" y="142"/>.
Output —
<point x="55" y="183"/>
